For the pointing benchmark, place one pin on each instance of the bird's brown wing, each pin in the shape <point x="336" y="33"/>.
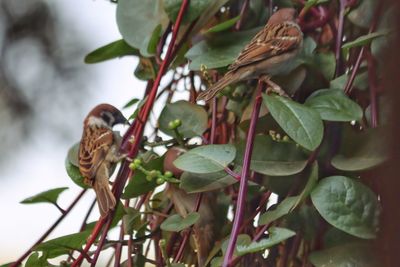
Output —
<point x="271" y="41"/>
<point x="93" y="149"/>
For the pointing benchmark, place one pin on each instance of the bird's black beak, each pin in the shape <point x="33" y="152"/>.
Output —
<point x="120" y="119"/>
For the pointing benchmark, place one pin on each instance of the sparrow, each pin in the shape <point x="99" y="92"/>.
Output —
<point x="268" y="53"/>
<point x="99" y="151"/>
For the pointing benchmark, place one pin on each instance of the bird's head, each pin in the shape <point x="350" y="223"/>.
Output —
<point x="282" y="15"/>
<point x="105" y="115"/>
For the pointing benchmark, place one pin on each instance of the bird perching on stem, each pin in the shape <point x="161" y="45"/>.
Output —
<point x="99" y="150"/>
<point x="269" y="53"/>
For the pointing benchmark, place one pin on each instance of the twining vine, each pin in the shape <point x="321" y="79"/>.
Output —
<point x="250" y="177"/>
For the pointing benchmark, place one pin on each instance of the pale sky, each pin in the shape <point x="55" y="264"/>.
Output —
<point x="112" y="82"/>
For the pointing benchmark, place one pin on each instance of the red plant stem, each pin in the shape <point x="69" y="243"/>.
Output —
<point x="373" y="88"/>
<point x="45" y="235"/>
<point x="213" y="120"/>
<point x="240" y="205"/>
<point x="134" y="132"/>
<point x="84" y="222"/>
<point x="339" y="38"/>
<point x="243" y="10"/>
<point x="263" y="202"/>
<point x="356" y="67"/>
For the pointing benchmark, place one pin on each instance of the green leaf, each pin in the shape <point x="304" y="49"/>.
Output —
<point x="220" y="51"/>
<point x="348" y="205"/>
<point x="138" y="184"/>
<point x="242" y="240"/>
<point x="273" y="158"/>
<point x="362" y="15"/>
<point x="276" y="236"/>
<point x="198" y="182"/>
<point x="335" y="237"/>
<point x="224" y="25"/>
<point x="194" y="10"/>
<point x="361" y="150"/>
<point x="346" y="255"/>
<point x="35" y="260"/>
<point x="131" y="102"/>
<point x="310" y="185"/>
<point x="176" y="223"/>
<point x="73" y="154"/>
<point x="146" y="69"/>
<point x="326" y="64"/>
<point x="281" y="210"/>
<point x="292" y="81"/>
<point x="137" y="21"/>
<point x="206" y="159"/>
<point x="112" y="50"/>
<point x="139" y="106"/>
<point x="62" y="245"/>
<point x="311" y="3"/>
<point x="363" y="40"/>
<point x="334" y="105"/>
<point x="360" y="82"/>
<point x="49" y="196"/>
<point x="207" y="14"/>
<point x="74" y="173"/>
<point x="154" y="40"/>
<point x="131" y="220"/>
<point x="194" y="118"/>
<point x="300" y="122"/>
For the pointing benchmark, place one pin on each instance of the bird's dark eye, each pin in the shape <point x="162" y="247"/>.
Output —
<point x="107" y="117"/>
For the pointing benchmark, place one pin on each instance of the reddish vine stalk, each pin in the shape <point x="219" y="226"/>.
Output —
<point x="49" y="231"/>
<point x="135" y="132"/>
<point x="240" y="205"/>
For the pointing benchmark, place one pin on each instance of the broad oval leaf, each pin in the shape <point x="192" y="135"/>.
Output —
<point x="194" y="10"/>
<point x="276" y="236"/>
<point x="362" y="15"/>
<point x="273" y="158"/>
<point x="146" y="15"/>
<point x="138" y="184"/>
<point x="334" y="105"/>
<point x="348" y="205"/>
<point x="363" y="40"/>
<point x="206" y="159"/>
<point x="63" y="245"/>
<point x="224" y="25"/>
<point x="49" y="196"/>
<point x="281" y="210"/>
<point x="198" y="182"/>
<point x="194" y="118"/>
<point x="112" y="50"/>
<point x="176" y="223"/>
<point x="346" y="255"/>
<point x="300" y="122"/>
<point x="361" y="150"/>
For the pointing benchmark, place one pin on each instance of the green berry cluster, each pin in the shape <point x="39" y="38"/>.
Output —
<point x="172" y="125"/>
<point x="152" y="175"/>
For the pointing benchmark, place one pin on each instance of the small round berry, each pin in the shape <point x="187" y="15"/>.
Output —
<point x="168" y="174"/>
<point x="177" y="123"/>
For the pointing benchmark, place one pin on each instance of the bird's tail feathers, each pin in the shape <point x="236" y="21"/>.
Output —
<point x="215" y="88"/>
<point x="105" y="197"/>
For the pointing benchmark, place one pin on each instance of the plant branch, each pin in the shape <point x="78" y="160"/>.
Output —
<point x="240" y="205"/>
<point x="132" y="140"/>
<point x="45" y="235"/>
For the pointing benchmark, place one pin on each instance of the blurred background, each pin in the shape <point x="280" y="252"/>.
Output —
<point x="46" y="90"/>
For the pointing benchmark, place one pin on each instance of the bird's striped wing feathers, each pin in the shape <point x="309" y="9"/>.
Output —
<point x="94" y="146"/>
<point x="271" y="41"/>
